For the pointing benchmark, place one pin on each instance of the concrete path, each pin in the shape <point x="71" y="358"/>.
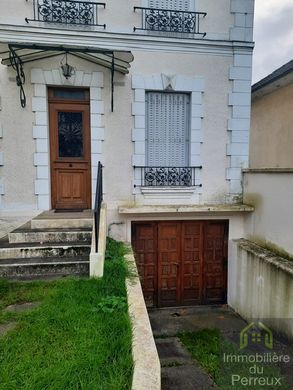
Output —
<point x="179" y="370"/>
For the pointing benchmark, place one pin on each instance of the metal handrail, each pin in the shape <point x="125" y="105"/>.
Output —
<point x="66" y="12"/>
<point x="170" y="20"/>
<point x="159" y="176"/>
<point x="98" y="203"/>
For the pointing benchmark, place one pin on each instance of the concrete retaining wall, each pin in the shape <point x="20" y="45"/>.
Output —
<point x="147" y="368"/>
<point x="263" y="286"/>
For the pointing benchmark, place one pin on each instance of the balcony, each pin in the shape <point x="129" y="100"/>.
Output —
<point x="66" y="12"/>
<point x="167" y="176"/>
<point x="170" y="21"/>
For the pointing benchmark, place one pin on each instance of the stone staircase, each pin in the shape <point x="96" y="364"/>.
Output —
<point x="49" y="246"/>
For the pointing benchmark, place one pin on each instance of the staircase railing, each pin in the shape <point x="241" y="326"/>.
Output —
<point x="98" y="203"/>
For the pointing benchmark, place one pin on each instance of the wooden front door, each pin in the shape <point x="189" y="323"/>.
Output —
<point x="182" y="262"/>
<point x="69" y="118"/>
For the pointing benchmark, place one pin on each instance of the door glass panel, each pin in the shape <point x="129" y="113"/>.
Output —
<point x="70" y="134"/>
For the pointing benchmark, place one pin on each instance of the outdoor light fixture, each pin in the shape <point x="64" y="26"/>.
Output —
<point x="67" y="70"/>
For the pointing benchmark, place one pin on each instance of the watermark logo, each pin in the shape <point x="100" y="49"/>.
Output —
<point x="256" y="334"/>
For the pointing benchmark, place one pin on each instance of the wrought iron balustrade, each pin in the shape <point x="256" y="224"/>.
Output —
<point x="167" y="176"/>
<point x="173" y="21"/>
<point x="66" y="12"/>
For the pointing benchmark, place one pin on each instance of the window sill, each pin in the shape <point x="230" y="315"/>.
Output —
<point x="167" y="190"/>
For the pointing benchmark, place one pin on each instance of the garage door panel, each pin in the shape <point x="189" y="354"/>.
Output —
<point x="213" y="268"/>
<point x="145" y="248"/>
<point x="190" y="282"/>
<point x="213" y="295"/>
<point x="191" y="228"/>
<point x="182" y="262"/>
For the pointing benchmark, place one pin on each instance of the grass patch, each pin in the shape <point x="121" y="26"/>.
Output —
<point x="69" y="341"/>
<point x="208" y="347"/>
<point x="205" y="347"/>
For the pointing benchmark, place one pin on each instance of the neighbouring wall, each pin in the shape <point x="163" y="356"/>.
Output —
<point x="270" y="191"/>
<point x="263" y="286"/>
<point x="271" y="135"/>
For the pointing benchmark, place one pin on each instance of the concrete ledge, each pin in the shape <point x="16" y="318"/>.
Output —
<point x="266" y="255"/>
<point x="147" y="368"/>
<point x="97" y="255"/>
<point x="222" y="208"/>
<point x="268" y="170"/>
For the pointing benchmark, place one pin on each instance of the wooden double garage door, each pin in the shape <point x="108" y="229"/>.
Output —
<point x="182" y="262"/>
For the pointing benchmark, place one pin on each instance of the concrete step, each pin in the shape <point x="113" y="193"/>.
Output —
<point x="30" y="250"/>
<point x="52" y="220"/>
<point x="26" y="235"/>
<point x="40" y="268"/>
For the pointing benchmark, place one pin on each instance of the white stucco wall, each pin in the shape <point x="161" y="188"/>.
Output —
<point x="271" y="194"/>
<point x="17" y="170"/>
<point x="122" y="19"/>
<point x="118" y="147"/>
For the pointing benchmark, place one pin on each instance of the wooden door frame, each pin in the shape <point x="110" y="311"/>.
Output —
<point x="53" y="141"/>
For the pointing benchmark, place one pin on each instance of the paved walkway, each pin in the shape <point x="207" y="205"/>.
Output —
<point x="179" y="370"/>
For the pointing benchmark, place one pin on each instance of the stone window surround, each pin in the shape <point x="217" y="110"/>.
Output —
<point x="166" y="82"/>
<point x="239" y="123"/>
<point x="41" y="79"/>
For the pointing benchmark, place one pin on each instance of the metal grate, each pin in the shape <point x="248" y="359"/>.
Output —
<point x="168" y="176"/>
<point x="67" y="12"/>
<point x="170" y="20"/>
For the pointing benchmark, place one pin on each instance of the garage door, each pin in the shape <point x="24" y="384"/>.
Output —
<point x="182" y="262"/>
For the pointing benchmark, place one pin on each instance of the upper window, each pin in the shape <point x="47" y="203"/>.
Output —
<point x="167" y="129"/>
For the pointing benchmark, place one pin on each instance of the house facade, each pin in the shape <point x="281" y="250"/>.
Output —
<point x="159" y="92"/>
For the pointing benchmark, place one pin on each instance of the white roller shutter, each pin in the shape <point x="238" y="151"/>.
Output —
<point x="167" y="129"/>
<point x="180" y="5"/>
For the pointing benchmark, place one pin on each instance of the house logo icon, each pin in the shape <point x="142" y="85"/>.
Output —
<point x="256" y="334"/>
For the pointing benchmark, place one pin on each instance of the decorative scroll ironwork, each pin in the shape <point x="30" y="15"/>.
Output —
<point x="70" y="134"/>
<point x="168" y="176"/>
<point x="67" y="12"/>
<point x="17" y="65"/>
<point x="156" y="19"/>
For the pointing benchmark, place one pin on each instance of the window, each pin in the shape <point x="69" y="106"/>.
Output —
<point x="167" y="129"/>
<point x="180" y="5"/>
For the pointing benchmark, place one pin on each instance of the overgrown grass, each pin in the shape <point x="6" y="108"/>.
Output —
<point x="208" y="348"/>
<point x="69" y="341"/>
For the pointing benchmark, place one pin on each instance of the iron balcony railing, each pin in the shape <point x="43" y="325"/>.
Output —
<point x="167" y="176"/>
<point x="172" y="21"/>
<point x="98" y="204"/>
<point x="66" y="12"/>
